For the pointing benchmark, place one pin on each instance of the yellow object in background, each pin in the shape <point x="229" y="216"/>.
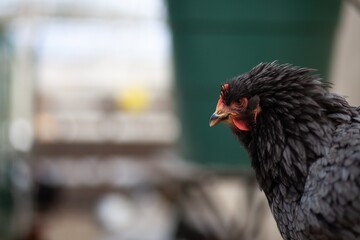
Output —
<point x="133" y="99"/>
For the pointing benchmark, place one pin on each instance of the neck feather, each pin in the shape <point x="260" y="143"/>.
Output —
<point x="290" y="136"/>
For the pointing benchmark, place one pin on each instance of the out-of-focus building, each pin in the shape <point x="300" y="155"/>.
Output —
<point x="87" y="106"/>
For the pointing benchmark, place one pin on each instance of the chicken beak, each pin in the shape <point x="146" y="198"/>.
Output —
<point x="221" y="113"/>
<point x="216" y="118"/>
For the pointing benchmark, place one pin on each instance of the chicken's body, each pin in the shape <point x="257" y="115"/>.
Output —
<point x="304" y="144"/>
<point x="329" y="207"/>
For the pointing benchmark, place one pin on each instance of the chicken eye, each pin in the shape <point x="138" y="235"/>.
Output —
<point x="242" y="102"/>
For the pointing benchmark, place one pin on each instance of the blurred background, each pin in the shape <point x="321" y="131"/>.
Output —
<point x="104" y="109"/>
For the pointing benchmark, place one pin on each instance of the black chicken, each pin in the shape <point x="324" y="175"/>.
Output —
<point x="304" y="144"/>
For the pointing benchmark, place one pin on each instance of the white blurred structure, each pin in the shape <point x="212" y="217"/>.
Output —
<point x="83" y="67"/>
<point x="345" y="72"/>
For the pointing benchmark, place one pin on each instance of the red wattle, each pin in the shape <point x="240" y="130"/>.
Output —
<point x="240" y="125"/>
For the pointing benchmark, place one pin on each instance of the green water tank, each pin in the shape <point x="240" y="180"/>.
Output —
<point x="216" y="40"/>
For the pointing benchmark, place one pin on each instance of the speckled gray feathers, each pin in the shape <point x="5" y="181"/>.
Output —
<point x="305" y="150"/>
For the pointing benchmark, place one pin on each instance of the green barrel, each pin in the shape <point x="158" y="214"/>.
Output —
<point x="215" y="40"/>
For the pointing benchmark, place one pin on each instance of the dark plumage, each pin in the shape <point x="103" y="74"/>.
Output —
<point x="304" y="145"/>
